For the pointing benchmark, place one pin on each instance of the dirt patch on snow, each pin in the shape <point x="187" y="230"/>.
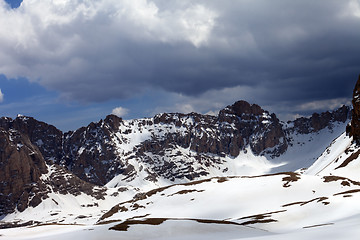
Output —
<point x="347" y="192"/>
<point x="319" y="199"/>
<point x="351" y="158"/>
<point x="319" y="225"/>
<point x="124" y="226"/>
<point x="185" y="192"/>
<point x="345" y="181"/>
<point x="259" y="218"/>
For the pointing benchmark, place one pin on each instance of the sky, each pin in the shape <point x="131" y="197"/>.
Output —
<point x="70" y="62"/>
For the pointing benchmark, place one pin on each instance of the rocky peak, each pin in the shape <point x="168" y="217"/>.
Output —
<point x="113" y="121"/>
<point x="354" y="129"/>
<point x="255" y="127"/>
<point x="241" y="109"/>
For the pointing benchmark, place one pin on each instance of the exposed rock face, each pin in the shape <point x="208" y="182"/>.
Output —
<point x="46" y="137"/>
<point x="25" y="178"/>
<point x="90" y="152"/>
<point x="318" y="121"/>
<point x="177" y="146"/>
<point x="21" y="165"/>
<point x="256" y="127"/>
<point x="354" y="129"/>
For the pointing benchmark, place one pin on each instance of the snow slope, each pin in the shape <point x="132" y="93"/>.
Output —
<point x="277" y="206"/>
<point x="341" y="158"/>
<point x="305" y="149"/>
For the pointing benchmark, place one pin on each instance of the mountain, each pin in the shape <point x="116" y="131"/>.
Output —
<point x="240" y="174"/>
<point x="172" y="148"/>
<point x="319" y="202"/>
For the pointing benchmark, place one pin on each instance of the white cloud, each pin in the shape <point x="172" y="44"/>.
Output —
<point x="1" y="96"/>
<point x="354" y="7"/>
<point x="120" y="111"/>
<point x="211" y="101"/>
<point x="328" y="104"/>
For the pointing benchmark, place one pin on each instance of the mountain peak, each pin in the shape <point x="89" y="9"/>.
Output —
<point x="242" y="107"/>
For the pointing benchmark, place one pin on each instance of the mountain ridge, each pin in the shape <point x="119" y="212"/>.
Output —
<point x="151" y="152"/>
<point x="237" y="126"/>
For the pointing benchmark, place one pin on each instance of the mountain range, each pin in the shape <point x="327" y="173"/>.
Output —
<point x="240" y="174"/>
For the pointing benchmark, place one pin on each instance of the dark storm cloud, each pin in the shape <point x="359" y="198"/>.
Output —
<point x="298" y="51"/>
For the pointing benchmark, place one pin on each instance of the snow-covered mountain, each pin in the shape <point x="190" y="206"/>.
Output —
<point x="240" y="174"/>
<point x="172" y="148"/>
<point x="320" y="202"/>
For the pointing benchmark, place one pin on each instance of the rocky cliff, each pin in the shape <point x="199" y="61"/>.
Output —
<point x="21" y="166"/>
<point x="26" y="179"/>
<point x="354" y="128"/>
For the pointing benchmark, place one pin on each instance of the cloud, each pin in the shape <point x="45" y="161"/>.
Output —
<point x="354" y="8"/>
<point x="106" y="47"/>
<point x="1" y="96"/>
<point x="94" y="51"/>
<point x="212" y="101"/>
<point x="120" y="111"/>
<point x="330" y="104"/>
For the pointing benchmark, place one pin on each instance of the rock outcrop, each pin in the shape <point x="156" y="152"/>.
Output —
<point x="354" y="128"/>
<point x="21" y="166"/>
<point x="46" y="137"/>
<point x="26" y="179"/>
<point x="320" y="121"/>
<point x="255" y="127"/>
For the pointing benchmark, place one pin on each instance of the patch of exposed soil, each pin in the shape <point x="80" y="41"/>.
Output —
<point x="259" y="218"/>
<point x="259" y="221"/>
<point x="351" y="158"/>
<point x="185" y="192"/>
<point x="345" y="181"/>
<point x="347" y="192"/>
<point x="124" y="226"/>
<point x="319" y="199"/>
<point x="319" y="225"/>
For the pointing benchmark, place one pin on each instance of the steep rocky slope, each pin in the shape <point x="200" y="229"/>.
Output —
<point x="25" y="178"/>
<point x="21" y="168"/>
<point x="354" y="128"/>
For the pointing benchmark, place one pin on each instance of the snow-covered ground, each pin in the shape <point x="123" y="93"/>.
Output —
<point x="306" y="148"/>
<point x="280" y="206"/>
<point x="321" y="202"/>
<point x="185" y="230"/>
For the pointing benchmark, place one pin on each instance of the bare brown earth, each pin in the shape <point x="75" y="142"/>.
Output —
<point x="124" y="226"/>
